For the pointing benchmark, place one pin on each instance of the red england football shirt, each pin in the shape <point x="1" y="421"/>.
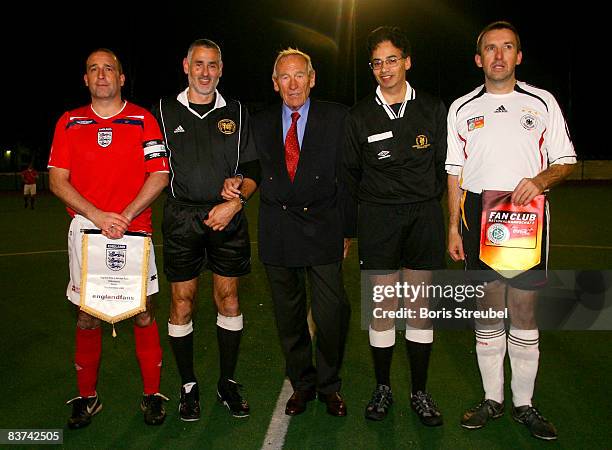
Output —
<point x="109" y="158"/>
<point x="29" y="176"/>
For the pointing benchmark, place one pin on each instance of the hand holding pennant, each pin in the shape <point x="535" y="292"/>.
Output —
<point x="511" y="235"/>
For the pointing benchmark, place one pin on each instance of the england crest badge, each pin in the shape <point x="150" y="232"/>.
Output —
<point x="105" y="137"/>
<point x="116" y="256"/>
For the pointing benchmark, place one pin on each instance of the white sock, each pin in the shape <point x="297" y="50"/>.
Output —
<point x="382" y="339"/>
<point x="180" y="330"/>
<point x="419" y="335"/>
<point x="524" y="352"/>
<point x="491" y="350"/>
<point x="234" y="323"/>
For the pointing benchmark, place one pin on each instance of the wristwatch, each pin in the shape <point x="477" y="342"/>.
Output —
<point x="243" y="199"/>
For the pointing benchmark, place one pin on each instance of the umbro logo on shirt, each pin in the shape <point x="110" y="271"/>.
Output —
<point x="501" y="109"/>
<point x="384" y="154"/>
<point x="179" y="129"/>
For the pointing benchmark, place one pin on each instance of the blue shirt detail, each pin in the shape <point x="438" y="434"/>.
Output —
<point x="301" y="123"/>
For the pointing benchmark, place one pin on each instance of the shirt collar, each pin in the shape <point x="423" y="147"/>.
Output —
<point x="380" y="99"/>
<point x="303" y="110"/>
<point x="183" y="99"/>
<point x="113" y="115"/>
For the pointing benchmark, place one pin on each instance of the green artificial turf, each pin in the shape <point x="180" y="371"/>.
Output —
<point x="37" y="375"/>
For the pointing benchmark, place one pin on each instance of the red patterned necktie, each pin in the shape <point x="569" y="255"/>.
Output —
<point x="292" y="146"/>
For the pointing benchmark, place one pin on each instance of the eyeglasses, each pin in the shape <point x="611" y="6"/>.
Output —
<point x="391" y="61"/>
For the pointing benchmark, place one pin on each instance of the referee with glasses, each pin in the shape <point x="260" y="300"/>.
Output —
<point x="394" y="165"/>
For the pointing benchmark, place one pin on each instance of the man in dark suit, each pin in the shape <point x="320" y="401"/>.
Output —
<point x="305" y="223"/>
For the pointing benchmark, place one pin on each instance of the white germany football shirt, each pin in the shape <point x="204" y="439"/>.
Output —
<point x="495" y="140"/>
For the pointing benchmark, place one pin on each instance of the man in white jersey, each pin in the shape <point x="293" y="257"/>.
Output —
<point x="504" y="136"/>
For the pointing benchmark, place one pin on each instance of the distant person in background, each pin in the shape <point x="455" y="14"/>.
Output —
<point x="29" y="176"/>
<point x="510" y="137"/>
<point x="108" y="164"/>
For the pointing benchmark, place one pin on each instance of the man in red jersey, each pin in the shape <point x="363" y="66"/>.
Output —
<point x="108" y="164"/>
<point x="29" y="177"/>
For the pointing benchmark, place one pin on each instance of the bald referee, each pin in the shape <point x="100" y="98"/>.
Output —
<point x="208" y="139"/>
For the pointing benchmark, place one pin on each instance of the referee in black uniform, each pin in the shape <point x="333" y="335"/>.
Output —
<point x="394" y="165"/>
<point x="209" y="140"/>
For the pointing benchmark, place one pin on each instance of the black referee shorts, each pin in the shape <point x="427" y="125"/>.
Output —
<point x="532" y="279"/>
<point x="408" y="236"/>
<point x="191" y="247"/>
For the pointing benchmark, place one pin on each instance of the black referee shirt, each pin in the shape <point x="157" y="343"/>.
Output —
<point x="400" y="160"/>
<point x="203" y="150"/>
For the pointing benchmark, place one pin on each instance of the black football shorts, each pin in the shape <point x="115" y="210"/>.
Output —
<point x="191" y="247"/>
<point x="401" y="236"/>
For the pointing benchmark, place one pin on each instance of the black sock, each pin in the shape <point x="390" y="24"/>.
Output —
<point x="183" y="354"/>
<point x="418" y="354"/>
<point x="382" y="364"/>
<point x="229" y="344"/>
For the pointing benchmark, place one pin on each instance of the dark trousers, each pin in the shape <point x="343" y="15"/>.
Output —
<point x="330" y="312"/>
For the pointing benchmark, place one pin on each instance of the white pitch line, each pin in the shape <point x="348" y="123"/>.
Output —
<point x="596" y="247"/>
<point x="43" y="252"/>
<point x="279" y="423"/>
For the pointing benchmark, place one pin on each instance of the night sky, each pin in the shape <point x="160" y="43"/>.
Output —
<point x="44" y="56"/>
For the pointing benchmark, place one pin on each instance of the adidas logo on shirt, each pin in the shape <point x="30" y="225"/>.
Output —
<point x="179" y="129"/>
<point x="501" y="109"/>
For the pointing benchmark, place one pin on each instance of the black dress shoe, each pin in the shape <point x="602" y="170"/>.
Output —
<point x="335" y="403"/>
<point x="297" y="403"/>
